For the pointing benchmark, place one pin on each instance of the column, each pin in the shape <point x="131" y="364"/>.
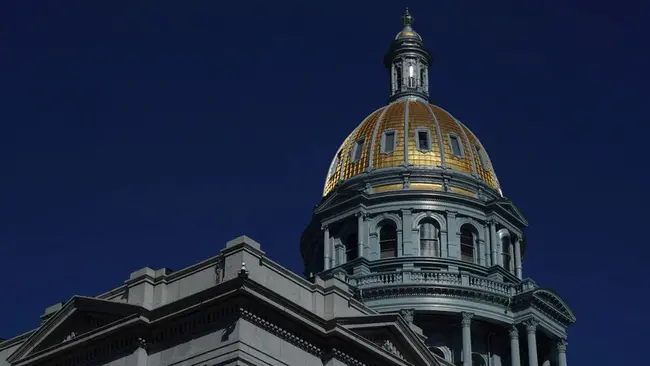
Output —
<point x="494" y="243"/>
<point x="511" y="259"/>
<point x="518" y="271"/>
<point x="514" y="346"/>
<point x="466" y="324"/>
<point x="488" y="246"/>
<point x="408" y="243"/>
<point x="531" y="328"/>
<point x="360" y="234"/>
<point x="327" y="252"/>
<point x="561" y="352"/>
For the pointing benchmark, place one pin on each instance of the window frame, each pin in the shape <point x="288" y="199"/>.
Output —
<point x="358" y="145"/>
<point x="383" y="141"/>
<point x="473" y="245"/>
<point x="481" y="156"/>
<point x="456" y="136"/>
<point x="393" y="241"/>
<point x="417" y="139"/>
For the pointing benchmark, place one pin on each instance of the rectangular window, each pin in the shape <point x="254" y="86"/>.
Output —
<point x="423" y="140"/>
<point x="454" y="143"/>
<point x="481" y="157"/>
<point x="388" y="142"/>
<point x="357" y="150"/>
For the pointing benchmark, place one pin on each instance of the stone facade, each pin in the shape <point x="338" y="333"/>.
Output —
<point x="238" y="308"/>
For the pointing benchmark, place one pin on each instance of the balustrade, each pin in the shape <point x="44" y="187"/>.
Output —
<point x="441" y="278"/>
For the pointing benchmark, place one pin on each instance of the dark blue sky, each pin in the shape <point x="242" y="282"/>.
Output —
<point x="136" y="134"/>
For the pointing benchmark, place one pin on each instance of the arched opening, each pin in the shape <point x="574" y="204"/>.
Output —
<point x="506" y="254"/>
<point x="351" y="247"/>
<point x="398" y="77"/>
<point x="468" y="239"/>
<point x="478" y="360"/>
<point x="429" y="238"/>
<point x="388" y="240"/>
<point x="438" y="352"/>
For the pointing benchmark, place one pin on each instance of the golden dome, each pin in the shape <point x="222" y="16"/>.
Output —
<point x="435" y="139"/>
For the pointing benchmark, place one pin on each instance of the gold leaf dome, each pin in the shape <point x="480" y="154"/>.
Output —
<point x="449" y="144"/>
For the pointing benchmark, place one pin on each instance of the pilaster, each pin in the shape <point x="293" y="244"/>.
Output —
<point x="453" y="237"/>
<point x="361" y="238"/>
<point x="408" y="242"/>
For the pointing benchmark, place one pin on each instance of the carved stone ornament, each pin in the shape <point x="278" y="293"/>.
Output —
<point x="513" y="332"/>
<point x="531" y="325"/>
<point x="408" y="314"/>
<point x="70" y="336"/>
<point x="243" y="272"/>
<point x="142" y="343"/>
<point x="561" y="345"/>
<point x="467" y="319"/>
<point x="390" y="347"/>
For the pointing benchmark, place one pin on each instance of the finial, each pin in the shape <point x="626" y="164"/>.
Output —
<point x="243" y="272"/>
<point x="407" y="18"/>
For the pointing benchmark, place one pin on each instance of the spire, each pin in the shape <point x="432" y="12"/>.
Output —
<point x="408" y="62"/>
<point x="407" y="18"/>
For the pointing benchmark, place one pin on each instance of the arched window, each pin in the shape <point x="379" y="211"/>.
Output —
<point x="467" y="244"/>
<point x="504" y="237"/>
<point x="398" y="77"/>
<point x="351" y="247"/>
<point x="411" y="77"/>
<point x="388" y="241"/>
<point x="429" y="238"/>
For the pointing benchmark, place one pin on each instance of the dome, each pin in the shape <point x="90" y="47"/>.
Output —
<point x="434" y="140"/>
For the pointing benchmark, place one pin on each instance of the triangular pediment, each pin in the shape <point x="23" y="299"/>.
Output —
<point x="78" y="317"/>
<point x="554" y="301"/>
<point x="507" y="206"/>
<point x="391" y="333"/>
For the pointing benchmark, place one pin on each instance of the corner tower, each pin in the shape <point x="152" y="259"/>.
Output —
<point x="413" y="217"/>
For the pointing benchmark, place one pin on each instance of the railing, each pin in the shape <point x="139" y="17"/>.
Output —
<point x="441" y="278"/>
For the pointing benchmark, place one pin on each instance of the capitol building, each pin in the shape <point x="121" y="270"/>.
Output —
<point x="413" y="256"/>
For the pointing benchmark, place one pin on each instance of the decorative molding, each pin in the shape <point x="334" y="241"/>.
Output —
<point x="561" y="345"/>
<point x="531" y="325"/>
<point x="280" y="332"/>
<point x="408" y="314"/>
<point x="344" y="357"/>
<point x="513" y="332"/>
<point x="467" y="318"/>
<point x="390" y="347"/>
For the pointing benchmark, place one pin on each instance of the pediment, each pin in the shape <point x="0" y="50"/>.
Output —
<point x="77" y="318"/>
<point x="553" y="300"/>
<point x="392" y="334"/>
<point x="511" y="209"/>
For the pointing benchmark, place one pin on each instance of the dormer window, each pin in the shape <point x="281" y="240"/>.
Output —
<point x="388" y="142"/>
<point x="357" y="150"/>
<point x="481" y="157"/>
<point x="456" y="145"/>
<point x="423" y="139"/>
<point x="335" y="164"/>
